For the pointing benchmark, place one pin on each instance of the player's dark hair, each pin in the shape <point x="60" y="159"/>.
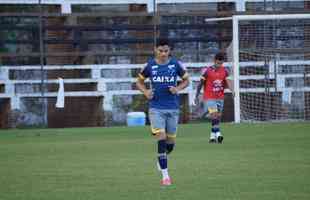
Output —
<point x="220" y="56"/>
<point x="162" y="42"/>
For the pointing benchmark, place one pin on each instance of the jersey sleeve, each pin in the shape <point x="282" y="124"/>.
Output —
<point x="144" y="73"/>
<point x="204" y="73"/>
<point x="229" y="74"/>
<point x="182" y="72"/>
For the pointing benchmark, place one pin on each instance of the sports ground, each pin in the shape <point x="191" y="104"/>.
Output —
<point x="256" y="162"/>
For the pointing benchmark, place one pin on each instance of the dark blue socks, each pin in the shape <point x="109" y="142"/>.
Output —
<point x="170" y="147"/>
<point x="215" y="125"/>
<point x="162" y="156"/>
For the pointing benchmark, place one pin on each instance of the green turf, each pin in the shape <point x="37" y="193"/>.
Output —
<point x="256" y="162"/>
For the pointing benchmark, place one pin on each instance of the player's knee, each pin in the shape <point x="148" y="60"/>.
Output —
<point x="215" y="116"/>
<point x="161" y="136"/>
<point x="158" y="133"/>
<point x="219" y="115"/>
<point x="211" y="116"/>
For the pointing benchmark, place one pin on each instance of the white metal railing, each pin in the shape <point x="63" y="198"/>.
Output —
<point x="101" y="82"/>
<point x="66" y="4"/>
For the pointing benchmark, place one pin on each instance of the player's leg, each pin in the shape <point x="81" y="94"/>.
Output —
<point x="171" y="129"/>
<point x="220" y="105"/>
<point x="210" y="107"/>
<point x="162" y="158"/>
<point x="170" y="142"/>
<point x="158" y="124"/>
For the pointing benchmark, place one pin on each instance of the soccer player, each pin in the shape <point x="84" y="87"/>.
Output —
<point x="163" y="97"/>
<point x="214" y="79"/>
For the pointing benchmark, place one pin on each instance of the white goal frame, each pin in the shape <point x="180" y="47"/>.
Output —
<point x="235" y="42"/>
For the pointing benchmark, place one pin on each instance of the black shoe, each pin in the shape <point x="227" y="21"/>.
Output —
<point x="212" y="141"/>
<point x="220" y="139"/>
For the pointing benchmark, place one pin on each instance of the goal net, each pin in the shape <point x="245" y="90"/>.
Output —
<point x="271" y="58"/>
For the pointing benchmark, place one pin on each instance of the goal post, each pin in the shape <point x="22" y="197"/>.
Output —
<point x="271" y="67"/>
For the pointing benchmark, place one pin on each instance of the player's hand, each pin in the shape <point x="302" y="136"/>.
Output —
<point x="233" y="94"/>
<point x="148" y="94"/>
<point x="173" y="90"/>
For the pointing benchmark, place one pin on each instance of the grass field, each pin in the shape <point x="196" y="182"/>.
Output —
<point x="255" y="162"/>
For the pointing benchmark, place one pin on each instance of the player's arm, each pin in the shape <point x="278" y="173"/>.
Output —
<point x="184" y="82"/>
<point x="230" y="82"/>
<point x="141" y="84"/>
<point x="200" y="85"/>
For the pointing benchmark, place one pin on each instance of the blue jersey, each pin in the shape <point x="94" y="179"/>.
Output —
<point x="162" y="77"/>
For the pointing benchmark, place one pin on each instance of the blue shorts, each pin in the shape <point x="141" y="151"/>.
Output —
<point x="212" y="106"/>
<point x="164" y="120"/>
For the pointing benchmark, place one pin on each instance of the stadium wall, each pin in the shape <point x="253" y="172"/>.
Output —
<point x="77" y="45"/>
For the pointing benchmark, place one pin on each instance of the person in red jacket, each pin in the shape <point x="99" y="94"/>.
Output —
<point x="214" y="80"/>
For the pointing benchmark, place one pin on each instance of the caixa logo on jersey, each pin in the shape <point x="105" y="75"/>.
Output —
<point x="163" y="79"/>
